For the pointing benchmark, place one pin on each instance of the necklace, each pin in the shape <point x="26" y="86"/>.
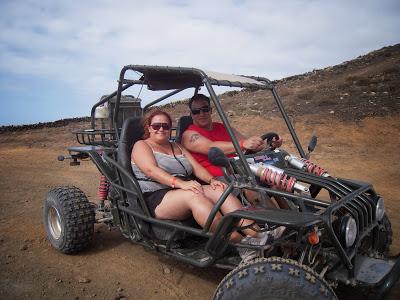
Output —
<point x="164" y="148"/>
<point x="167" y="152"/>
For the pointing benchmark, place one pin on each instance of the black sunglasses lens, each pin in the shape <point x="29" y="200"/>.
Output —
<point x="157" y="126"/>
<point x="196" y="111"/>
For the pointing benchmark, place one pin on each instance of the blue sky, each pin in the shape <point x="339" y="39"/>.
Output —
<point x="57" y="58"/>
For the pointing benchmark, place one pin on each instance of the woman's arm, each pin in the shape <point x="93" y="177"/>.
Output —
<point x="200" y="172"/>
<point x="147" y="163"/>
<point x="198" y="169"/>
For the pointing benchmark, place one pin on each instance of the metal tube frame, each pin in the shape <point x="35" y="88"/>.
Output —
<point x="162" y="98"/>
<point x="108" y="98"/>
<point x="346" y="196"/>
<point x="123" y="84"/>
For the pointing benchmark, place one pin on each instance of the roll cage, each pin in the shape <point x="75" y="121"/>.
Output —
<point x="158" y="78"/>
<point x="177" y="79"/>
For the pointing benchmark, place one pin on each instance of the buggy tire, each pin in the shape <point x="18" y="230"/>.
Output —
<point x="384" y="236"/>
<point x="378" y="242"/>
<point x="273" y="278"/>
<point x="68" y="219"/>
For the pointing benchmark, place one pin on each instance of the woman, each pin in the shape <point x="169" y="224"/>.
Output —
<point x="159" y="166"/>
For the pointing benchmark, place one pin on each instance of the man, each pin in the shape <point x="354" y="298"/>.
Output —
<point x="204" y="134"/>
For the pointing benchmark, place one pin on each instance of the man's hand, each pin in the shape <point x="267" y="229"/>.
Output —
<point x="253" y="143"/>
<point x="276" y="143"/>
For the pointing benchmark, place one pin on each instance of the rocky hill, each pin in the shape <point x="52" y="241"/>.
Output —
<point x="366" y="86"/>
<point x="363" y="87"/>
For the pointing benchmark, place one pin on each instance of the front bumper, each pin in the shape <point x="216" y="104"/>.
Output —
<point x="384" y="286"/>
<point x="379" y="275"/>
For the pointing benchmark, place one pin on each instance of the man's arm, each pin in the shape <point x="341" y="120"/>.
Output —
<point x="253" y="142"/>
<point x="195" y="142"/>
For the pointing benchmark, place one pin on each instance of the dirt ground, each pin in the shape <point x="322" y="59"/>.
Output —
<point x="113" y="267"/>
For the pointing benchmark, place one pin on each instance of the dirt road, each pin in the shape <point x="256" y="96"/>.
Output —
<point x="114" y="268"/>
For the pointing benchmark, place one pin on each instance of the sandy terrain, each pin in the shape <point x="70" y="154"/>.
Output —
<point x="354" y="109"/>
<point x="113" y="267"/>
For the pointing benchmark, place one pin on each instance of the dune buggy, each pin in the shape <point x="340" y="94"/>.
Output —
<point x="336" y="232"/>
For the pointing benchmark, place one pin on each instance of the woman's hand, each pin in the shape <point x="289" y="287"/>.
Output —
<point x="191" y="185"/>
<point x="214" y="183"/>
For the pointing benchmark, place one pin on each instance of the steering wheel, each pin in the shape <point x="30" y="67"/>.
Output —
<point x="268" y="137"/>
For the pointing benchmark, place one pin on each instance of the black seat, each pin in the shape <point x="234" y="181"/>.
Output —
<point x="132" y="131"/>
<point x="183" y="123"/>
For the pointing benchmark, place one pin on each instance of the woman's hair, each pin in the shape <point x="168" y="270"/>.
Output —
<point x="149" y="116"/>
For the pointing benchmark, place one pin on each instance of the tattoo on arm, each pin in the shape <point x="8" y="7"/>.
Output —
<point x="194" y="137"/>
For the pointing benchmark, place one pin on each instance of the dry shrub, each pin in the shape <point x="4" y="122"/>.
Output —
<point x="306" y="94"/>
<point x="358" y="80"/>
<point x="391" y="69"/>
<point x="283" y="92"/>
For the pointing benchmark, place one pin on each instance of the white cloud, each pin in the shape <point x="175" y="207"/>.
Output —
<point x="85" y="43"/>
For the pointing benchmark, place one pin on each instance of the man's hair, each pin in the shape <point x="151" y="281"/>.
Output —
<point x="198" y="97"/>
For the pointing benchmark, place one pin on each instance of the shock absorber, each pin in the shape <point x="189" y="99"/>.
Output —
<point x="314" y="169"/>
<point x="277" y="178"/>
<point x="306" y="165"/>
<point x="102" y="192"/>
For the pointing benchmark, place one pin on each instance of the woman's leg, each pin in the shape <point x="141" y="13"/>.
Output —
<point x="231" y="204"/>
<point x="180" y="204"/>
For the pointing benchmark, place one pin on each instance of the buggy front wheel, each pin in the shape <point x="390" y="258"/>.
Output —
<point x="273" y="278"/>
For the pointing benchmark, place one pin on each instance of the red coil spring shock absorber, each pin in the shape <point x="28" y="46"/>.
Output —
<point x="102" y="192"/>
<point x="278" y="180"/>
<point x="313" y="168"/>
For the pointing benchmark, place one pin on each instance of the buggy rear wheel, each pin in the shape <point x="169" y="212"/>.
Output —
<point x="273" y="278"/>
<point x="68" y="219"/>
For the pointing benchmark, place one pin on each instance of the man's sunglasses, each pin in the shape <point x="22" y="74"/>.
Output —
<point x="204" y="109"/>
<point x="157" y="126"/>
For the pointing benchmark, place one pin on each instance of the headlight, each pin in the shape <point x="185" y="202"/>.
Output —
<point x="346" y="230"/>
<point x="380" y="209"/>
<point x="350" y="231"/>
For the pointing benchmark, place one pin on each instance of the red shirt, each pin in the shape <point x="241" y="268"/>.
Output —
<point x="218" y="133"/>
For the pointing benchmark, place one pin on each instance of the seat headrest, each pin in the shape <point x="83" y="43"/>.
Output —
<point x="183" y="123"/>
<point x="132" y="131"/>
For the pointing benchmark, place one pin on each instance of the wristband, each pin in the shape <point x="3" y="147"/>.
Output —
<point x="173" y="182"/>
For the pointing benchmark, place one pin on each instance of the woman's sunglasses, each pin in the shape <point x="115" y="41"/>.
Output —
<point x="204" y="109"/>
<point x="157" y="126"/>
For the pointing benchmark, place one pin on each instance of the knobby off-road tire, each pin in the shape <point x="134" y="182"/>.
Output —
<point x="379" y="241"/>
<point x="68" y="219"/>
<point x="273" y="278"/>
<point x="384" y="237"/>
